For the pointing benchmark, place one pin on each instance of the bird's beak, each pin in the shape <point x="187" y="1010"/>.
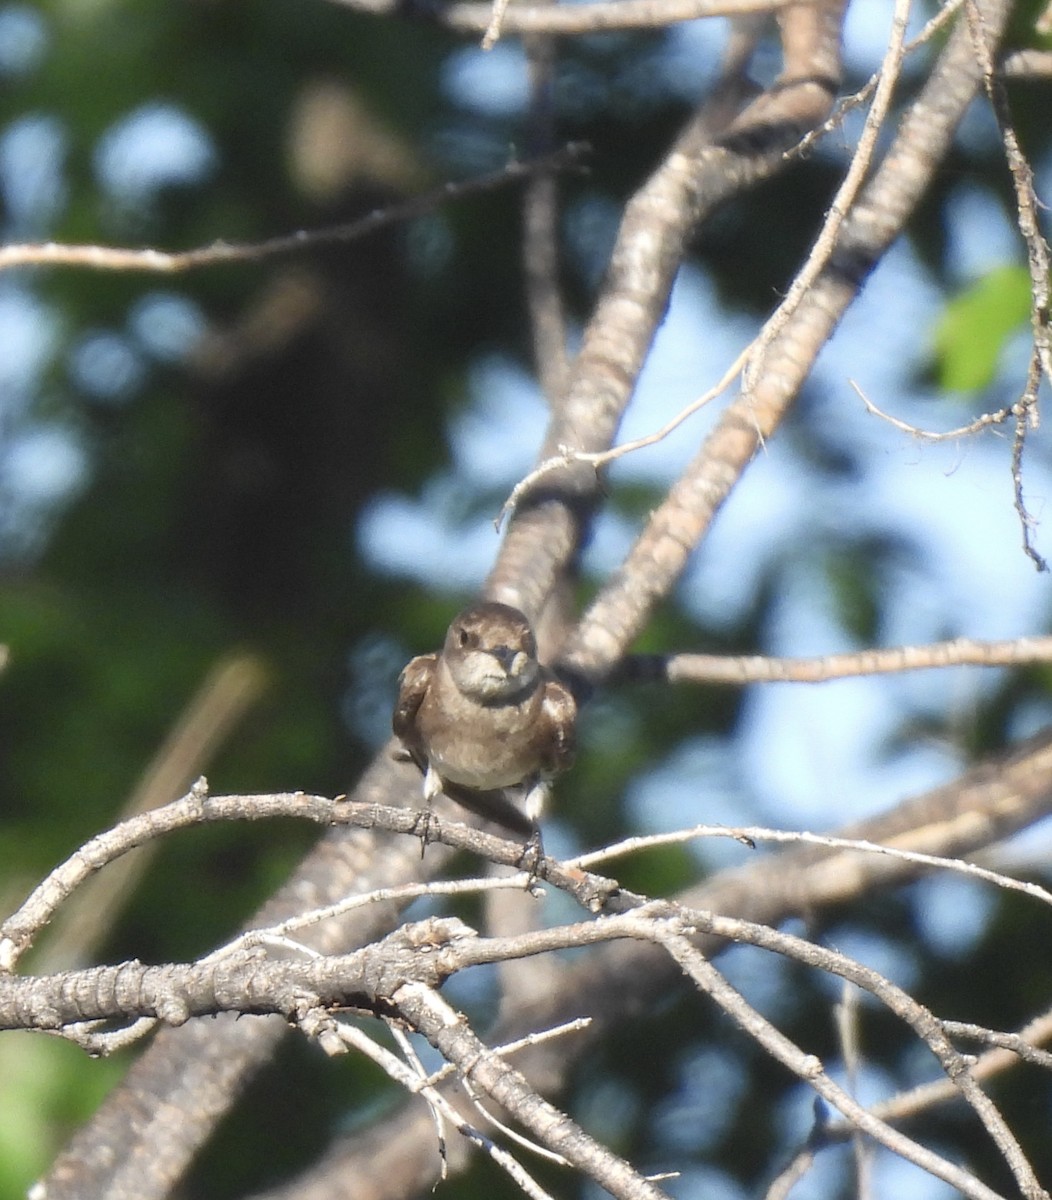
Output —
<point x="506" y="656"/>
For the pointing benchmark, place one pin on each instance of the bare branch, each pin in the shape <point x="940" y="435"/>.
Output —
<point x="19" y="930"/>
<point x="565" y="456"/>
<point x="1027" y="202"/>
<point x="810" y="1070"/>
<point x="404" y="969"/>
<point x="983" y="421"/>
<point x="845" y="197"/>
<point x="987" y="803"/>
<point x="622" y="607"/>
<point x="1037" y="256"/>
<point x="1026" y="418"/>
<point x="883" y="84"/>
<point x="1027" y="64"/>
<point x="1017" y="1047"/>
<point x="400" y="895"/>
<point x="490" y="1074"/>
<point x="847" y="104"/>
<point x="1019" y="1044"/>
<point x="113" y="258"/>
<point x="721" y="152"/>
<point x="238" y="983"/>
<point x="750" y="835"/>
<point x="741" y="670"/>
<point x="559" y="21"/>
<point x="417" y="1082"/>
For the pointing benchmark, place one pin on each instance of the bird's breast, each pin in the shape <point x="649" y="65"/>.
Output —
<point x="481" y="746"/>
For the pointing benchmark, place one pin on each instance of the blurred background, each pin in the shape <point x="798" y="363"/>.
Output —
<point x="234" y="501"/>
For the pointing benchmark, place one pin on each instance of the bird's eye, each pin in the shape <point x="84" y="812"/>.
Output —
<point x="464" y="637"/>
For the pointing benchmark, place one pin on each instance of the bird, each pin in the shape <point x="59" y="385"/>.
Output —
<point x="487" y="724"/>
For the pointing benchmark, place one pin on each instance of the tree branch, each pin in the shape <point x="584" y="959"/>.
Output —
<point x="720" y="153"/>
<point x="741" y="670"/>
<point x="219" y="253"/>
<point x="618" y="981"/>
<point x="558" y="21"/>
<point x="676" y="526"/>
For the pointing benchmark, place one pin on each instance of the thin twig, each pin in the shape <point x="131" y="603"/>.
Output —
<point x="983" y="421"/>
<point x="566" y="455"/>
<point x="846" y="195"/>
<point x="849" y="103"/>
<point x="787" y="1179"/>
<point x="563" y="21"/>
<point x="749" y="835"/>
<point x="112" y="258"/>
<point x="740" y="670"/>
<point x="1015" y="1048"/>
<point x="846" y="1013"/>
<point x="1018" y="1044"/>
<point x="1025" y="420"/>
<point x="1038" y="264"/>
<point x="809" y="1068"/>
<point x="400" y="895"/>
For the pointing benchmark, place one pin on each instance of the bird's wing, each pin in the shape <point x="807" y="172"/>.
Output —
<point x="413" y="683"/>
<point x="559" y="709"/>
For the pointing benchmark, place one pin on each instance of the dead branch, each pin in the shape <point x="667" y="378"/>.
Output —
<point x="219" y="253"/>
<point x="986" y="804"/>
<point x="756" y="668"/>
<point x="723" y="150"/>
<point x="477" y="18"/>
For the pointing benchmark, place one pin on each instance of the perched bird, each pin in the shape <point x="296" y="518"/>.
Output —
<point x="484" y="721"/>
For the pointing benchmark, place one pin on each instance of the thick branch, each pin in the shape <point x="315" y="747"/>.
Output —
<point x="626" y="979"/>
<point x="153" y="1124"/>
<point x="239" y="983"/>
<point x="675" y="528"/>
<point x="151" y="1127"/>
<point x="717" y="156"/>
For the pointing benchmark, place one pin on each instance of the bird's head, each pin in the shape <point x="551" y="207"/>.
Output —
<point x="491" y="652"/>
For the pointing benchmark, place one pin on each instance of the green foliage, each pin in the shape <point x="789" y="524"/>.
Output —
<point x="45" y="1093"/>
<point x="975" y="325"/>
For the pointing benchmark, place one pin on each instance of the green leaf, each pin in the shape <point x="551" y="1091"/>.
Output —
<point x="975" y="325"/>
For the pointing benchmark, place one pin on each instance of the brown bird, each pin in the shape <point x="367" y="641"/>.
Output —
<point x="484" y="721"/>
